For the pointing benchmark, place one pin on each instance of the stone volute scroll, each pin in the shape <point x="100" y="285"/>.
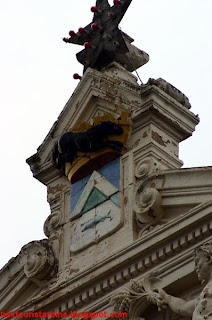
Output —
<point x="146" y="167"/>
<point x="148" y="207"/>
<point x="52" y="229"/>
<point x="52" y="223"/>
<point x="38" y="262"/>
<point x="147" y="203"/>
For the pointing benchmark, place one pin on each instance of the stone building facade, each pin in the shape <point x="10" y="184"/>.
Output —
<point x="117" y="217"/>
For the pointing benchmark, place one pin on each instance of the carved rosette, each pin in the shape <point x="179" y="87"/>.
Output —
<point x="38" y="260"/>
<point x="52" y="223"/>
<point x="148" y="208"/>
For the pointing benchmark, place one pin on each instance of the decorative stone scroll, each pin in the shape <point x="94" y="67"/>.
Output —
<point x="52" y="223"/>
<point x="148" y="208"/>
<point x="52" y="229"/>
<point x="38" y="260"/>
<point x="145" y="167"/>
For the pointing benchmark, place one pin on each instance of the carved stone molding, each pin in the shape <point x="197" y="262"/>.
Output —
<point x="131" y="297"/>
<point x="148" y="208"/>
<point x="145" y="167"/>
<point x="52" y="223"/>
<point x="135" y="297"/>
<point x="169" y="247"/>
<point x="170" y="90"/>
<point x="38" y="260"/>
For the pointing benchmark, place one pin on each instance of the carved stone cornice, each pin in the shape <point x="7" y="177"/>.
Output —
<point x="132" y="297"/>
<point x="166" y="118"/>
<point x="170" y="90"/>
<point x="115" y="90"/>
<point x="162" y="248"/>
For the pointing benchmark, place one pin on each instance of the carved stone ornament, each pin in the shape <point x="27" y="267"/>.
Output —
<point x="148" y="208"/>
<point x="52" y="223"/>
<point x="38" y="260"/>
<point x="170" y="90"/>
<point x="136" y="297"/>
<point x="145" y="167"/>
<point x="197" y="309"/>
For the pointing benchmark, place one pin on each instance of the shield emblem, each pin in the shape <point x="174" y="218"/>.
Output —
<point x="95" y="208"/>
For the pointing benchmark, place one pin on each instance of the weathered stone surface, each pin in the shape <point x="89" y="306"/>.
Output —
<point x="38" y="260"/>
<point x="170" y="90"/>
<point x="142" y="293"/>
<point x="121" y="222"/>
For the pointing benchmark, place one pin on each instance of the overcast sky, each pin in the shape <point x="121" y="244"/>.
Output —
<point x="36" y="69"/>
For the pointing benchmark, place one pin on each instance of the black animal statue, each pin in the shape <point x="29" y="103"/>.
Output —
<point x="93" y="139"/>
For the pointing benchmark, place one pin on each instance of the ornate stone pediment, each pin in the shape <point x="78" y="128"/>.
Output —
<point x="132" y="215"/>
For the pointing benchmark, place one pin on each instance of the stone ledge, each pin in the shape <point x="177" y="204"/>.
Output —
<point x="193" y="228"/>
<point x="170" y="90"/>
